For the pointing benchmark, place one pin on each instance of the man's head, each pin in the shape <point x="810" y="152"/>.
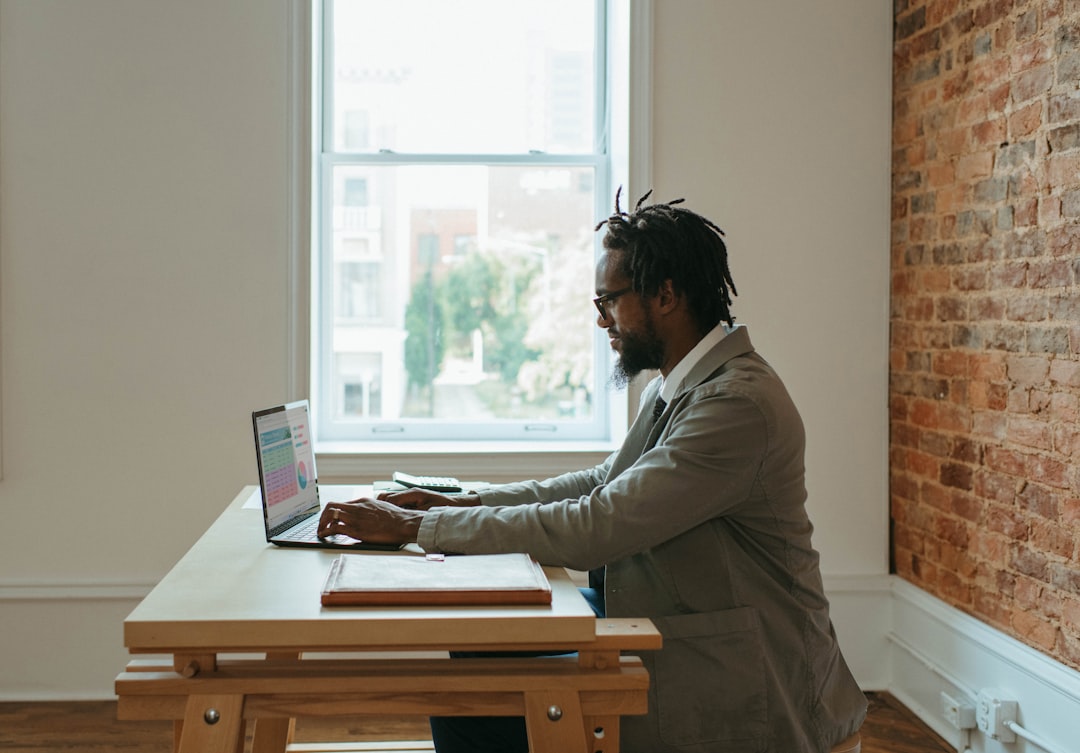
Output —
<point x="662" y="284"/>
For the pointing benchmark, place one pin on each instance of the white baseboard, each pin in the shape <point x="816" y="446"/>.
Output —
<point x="936" y="648"/>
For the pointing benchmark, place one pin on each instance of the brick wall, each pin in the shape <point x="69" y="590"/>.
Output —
<point x="985" y="312"/>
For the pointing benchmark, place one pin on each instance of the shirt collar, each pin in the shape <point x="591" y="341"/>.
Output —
<point x="673" y="384"/>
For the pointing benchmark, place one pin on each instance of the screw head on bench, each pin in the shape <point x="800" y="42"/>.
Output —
<point x="554" y="713"/>
<point x="212" y="716"/>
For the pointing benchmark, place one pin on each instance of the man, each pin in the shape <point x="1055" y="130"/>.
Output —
<point x="698" y="522"/>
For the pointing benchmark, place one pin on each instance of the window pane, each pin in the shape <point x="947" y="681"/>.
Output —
<point x="462" y="292"/>
<point x="410" y="76"/>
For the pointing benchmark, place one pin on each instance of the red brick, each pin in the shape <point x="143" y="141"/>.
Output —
<point x="905" y="131"/>
<point x="1027" y="308"/>
<point x="1026" y="212"/>
<point x="1037" y="499"/>
<point x="957" y="475"/>
<point x="988" y="13"/>
<point x="1030" y="562"/>
<point x="1031" y="53"/>
<point x="989" y="424"/>
<point x="1028" y="369"/>
<point x="1067" y="440"/>
<point x="950" y="363"/>
<point x="973" y="109"/>
<point x="919" y="309"/>
<point x="1027" y="431"/>
<point x="969" y="277"/>
<point x="1035" y="630"/>
<point x="1063" y="169"/>
<point x="1049" y="537"/>
<point x="967" y="506"/>
<point x="978" y="165"/>
<point x="1032" y="83"/>
<point x="922" y="464"/>
<point x="933" y="280"/>
<point x="1049" y="209"/>
<point x="989" y="133"/>
<point x="1009" y="275"/>
<point x="987" y="366"/>
<point x="1006" y="522"/>
<point x="1064" y="107"/>
<point x="940" y="175"/>
<point x="954" y="589"/>
<point x="990" y="547"/>
<point x="990" y="606"/>
<point x="1065" y="407"/>
<point x="999" y="97"/>
<point x="1026" y="120"/>
<point x="1052" y="273"/>
<point x="1028" y="593"/>
<point x="979" y="396"/>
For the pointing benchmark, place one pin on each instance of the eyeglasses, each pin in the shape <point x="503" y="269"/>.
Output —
<point x="602" y="300"/>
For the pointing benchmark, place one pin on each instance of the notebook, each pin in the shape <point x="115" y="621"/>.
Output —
<point x="481" y="579"/>
<point x="289" y="484"/>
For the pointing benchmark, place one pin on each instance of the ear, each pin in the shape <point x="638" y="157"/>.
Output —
<point x="666" y="297"/>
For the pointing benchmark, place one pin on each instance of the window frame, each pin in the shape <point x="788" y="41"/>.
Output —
<point x="348" y="459"/>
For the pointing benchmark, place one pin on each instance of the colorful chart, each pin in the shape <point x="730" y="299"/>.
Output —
<point x="279" y="470"/>
<point x="301" y="474"/>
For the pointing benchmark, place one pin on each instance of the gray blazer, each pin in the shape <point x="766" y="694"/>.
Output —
<point x="701" y="523"/>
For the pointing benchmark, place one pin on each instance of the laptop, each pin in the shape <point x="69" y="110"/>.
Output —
<point x="289" y="483"/>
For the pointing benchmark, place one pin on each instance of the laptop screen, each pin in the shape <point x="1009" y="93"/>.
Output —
<point x="286" y="463"/>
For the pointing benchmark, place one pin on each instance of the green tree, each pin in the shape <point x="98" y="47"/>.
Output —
<point x="424" y="347"/>
<point x="486" y="291"/>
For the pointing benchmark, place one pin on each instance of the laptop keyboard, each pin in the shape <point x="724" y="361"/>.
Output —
<point x="307" y="531"/>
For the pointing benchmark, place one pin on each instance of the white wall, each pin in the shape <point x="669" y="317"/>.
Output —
<point x="774" y="120"/>
<point x="144" y="185"/>
<point x="143" y="259"/>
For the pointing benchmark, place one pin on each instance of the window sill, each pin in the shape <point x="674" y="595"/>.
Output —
<point x="499" y="462"/>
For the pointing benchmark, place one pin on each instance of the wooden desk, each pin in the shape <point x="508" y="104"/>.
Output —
<point x="247" y="636"/>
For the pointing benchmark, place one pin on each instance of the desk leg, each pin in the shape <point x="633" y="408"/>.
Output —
<point x="272" y="735"/>
<point x="602" y="732"/>
<point x="213" y="724"/>
<point x="554" y="722"/>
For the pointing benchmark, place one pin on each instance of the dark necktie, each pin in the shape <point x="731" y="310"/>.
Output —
<point x="658" y="407"/>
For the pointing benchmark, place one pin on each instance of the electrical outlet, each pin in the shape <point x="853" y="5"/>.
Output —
<point x="992" y="713"/>
<point x="958" y="712"/>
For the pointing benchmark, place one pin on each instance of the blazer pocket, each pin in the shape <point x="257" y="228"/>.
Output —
<point x="710" y="679"/>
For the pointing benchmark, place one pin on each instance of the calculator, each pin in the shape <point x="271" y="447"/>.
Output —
<point x="444" y="484"/>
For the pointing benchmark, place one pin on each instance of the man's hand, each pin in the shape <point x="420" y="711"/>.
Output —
<point x="371" y="520"/>
<point x="422" y="499"/>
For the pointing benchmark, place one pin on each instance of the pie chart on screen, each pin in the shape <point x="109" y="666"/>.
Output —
<point x="301" y="474"/>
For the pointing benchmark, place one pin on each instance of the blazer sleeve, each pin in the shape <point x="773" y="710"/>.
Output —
<point x="705" y="464"/>
<point x="566" y="486"/>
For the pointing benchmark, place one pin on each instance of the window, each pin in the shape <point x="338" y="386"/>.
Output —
<point x="462" y="163"/>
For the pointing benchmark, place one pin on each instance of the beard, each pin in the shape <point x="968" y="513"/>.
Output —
<point x="640" y="351"/>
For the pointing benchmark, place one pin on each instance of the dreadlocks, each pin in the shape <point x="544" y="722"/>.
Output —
<point x="661" y="242"/>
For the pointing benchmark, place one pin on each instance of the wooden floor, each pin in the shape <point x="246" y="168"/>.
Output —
<point x="91" y="727"/>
